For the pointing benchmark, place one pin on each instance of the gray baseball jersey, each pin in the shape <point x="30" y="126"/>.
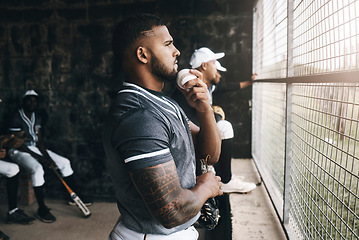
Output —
<point x="145" y="128"/>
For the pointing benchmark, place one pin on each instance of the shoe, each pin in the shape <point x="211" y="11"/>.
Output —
<point x="86" y="201"/>
<point x="237" y="177"/>
<point x="19" y="216"/>
<point x="3" y="236"/>
<point x="238" y="186"/>
<point x="44" y="215"/>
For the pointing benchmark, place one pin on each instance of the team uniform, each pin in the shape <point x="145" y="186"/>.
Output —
<point x="145" y="129"/>
<point x="8" y="169"/>
<point x="20" y="122"/>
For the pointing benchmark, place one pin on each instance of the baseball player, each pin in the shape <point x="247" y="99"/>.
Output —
<point x="33" y="155"/>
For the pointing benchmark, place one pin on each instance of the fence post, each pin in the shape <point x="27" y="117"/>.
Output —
<point x="288" y="154"/>
<point x="288" y="126"/>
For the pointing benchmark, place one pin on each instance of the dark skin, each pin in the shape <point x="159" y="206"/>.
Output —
<point x="159" y="186"/>
<point x="2" y="153"/>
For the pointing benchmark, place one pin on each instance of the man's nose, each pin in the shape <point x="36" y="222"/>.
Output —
<point x="177" y="52"/>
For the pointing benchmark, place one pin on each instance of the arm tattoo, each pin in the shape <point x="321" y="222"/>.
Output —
<point x="163" y="195"/>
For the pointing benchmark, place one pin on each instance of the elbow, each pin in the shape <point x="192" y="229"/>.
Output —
<point x="215" y="157"/>
<point x="172" y="216"/>
<point x="171" y="222"/>
<point x="168" y="225"/>
<point x="213" y="160"/>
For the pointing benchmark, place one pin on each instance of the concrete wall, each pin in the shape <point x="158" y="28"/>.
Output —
<point x="62" y="49"/>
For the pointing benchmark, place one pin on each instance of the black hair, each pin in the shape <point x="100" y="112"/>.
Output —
<point x="132" y="29"/>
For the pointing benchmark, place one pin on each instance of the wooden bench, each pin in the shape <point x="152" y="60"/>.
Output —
<point x="26" y="195"/>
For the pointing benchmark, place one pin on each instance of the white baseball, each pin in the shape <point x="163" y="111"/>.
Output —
<point x="184" y="76"/>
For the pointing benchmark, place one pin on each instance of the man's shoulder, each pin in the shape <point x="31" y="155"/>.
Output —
<point x="14" y="114"/>
<point x="126" y="102"/>
<point x="133" y="97"/>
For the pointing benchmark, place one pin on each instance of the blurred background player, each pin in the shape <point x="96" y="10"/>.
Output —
<point x="205" y="61"/>
<point x="33" y="155"/>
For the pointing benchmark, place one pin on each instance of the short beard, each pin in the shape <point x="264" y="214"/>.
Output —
<point x="160" y="70"/>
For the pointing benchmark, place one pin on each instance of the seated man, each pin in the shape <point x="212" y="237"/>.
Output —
<point x="11" y="171"/>
<point x="33" y="155"/>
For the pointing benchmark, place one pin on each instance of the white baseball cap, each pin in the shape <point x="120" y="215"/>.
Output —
<point x="220" y="67"/>
<point x="203" y="55"/>
<point x="30" y="93"/>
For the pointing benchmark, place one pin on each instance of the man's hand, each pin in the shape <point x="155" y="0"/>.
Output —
<point x="254" y="77"/>
<point x="2" y="153"/>
<point x="211" y="183"/>
<point x="196" y="92"/>
<point x="13" y="140"/>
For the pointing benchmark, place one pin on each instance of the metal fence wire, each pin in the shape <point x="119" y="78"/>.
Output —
<point x="305" y="114"/>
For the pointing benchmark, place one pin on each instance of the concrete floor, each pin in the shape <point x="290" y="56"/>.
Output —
<point x="70" y="225"/>
<point x="253" y="216"/>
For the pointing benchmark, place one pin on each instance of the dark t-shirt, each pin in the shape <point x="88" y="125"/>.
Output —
<point x="145" y="128"/>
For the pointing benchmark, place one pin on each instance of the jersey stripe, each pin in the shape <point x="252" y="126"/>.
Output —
<point x="147" y="155"/>
<point x="175" y="111"/>
<point x="148" y="93"/>
<point x="30" y="123"/>
<point x="139" y="93"/>
<point x="15" y="129"/>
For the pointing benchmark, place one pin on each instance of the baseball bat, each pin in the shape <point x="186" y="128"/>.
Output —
<point x="74" y="196"/>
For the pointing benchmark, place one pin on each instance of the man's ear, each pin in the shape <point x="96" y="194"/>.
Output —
<point x="204" y="66"/>
<point x="142" y="54"/>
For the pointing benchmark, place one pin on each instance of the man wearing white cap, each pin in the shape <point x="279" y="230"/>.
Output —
<point x="206" y="61"/>
<point x="32" y="155"/>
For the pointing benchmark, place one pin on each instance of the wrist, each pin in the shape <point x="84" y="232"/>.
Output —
<point x="202" y="192"/>
<point x="205" y="108"/>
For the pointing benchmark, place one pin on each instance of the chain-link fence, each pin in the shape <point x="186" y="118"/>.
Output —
<point x="305" y="114"/>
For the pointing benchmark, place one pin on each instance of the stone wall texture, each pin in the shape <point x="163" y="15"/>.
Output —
<point x="62" y="49"/>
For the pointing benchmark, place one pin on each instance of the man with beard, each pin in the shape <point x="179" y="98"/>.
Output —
<point x="149" y="142"/>
<point x="205" y="61"/>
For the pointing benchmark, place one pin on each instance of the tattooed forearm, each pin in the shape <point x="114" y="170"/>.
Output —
<point x="160" y="188"/>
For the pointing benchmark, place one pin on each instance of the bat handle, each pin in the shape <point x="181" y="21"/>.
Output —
<point x="62" y="180"/>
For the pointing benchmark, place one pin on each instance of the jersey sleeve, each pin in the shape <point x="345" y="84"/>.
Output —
<point x="15" y="123"/>
<point x="142" y="139"/>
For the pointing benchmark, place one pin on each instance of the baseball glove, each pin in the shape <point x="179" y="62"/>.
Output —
<point x="218" y="110"/>
<point x="13" y="140"/>
<point x="209" y="213"/>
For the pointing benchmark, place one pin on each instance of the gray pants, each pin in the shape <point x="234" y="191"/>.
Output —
<point x="31" y="165"/>
<point x="8" y="169"/>
<point x="120" y="232"/>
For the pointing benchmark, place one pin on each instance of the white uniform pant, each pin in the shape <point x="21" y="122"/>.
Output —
<point x="31" y="165"/>
<point x="226" y="129"/>
<point x="8" y="169"/>
<point x="120" y="232"/>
